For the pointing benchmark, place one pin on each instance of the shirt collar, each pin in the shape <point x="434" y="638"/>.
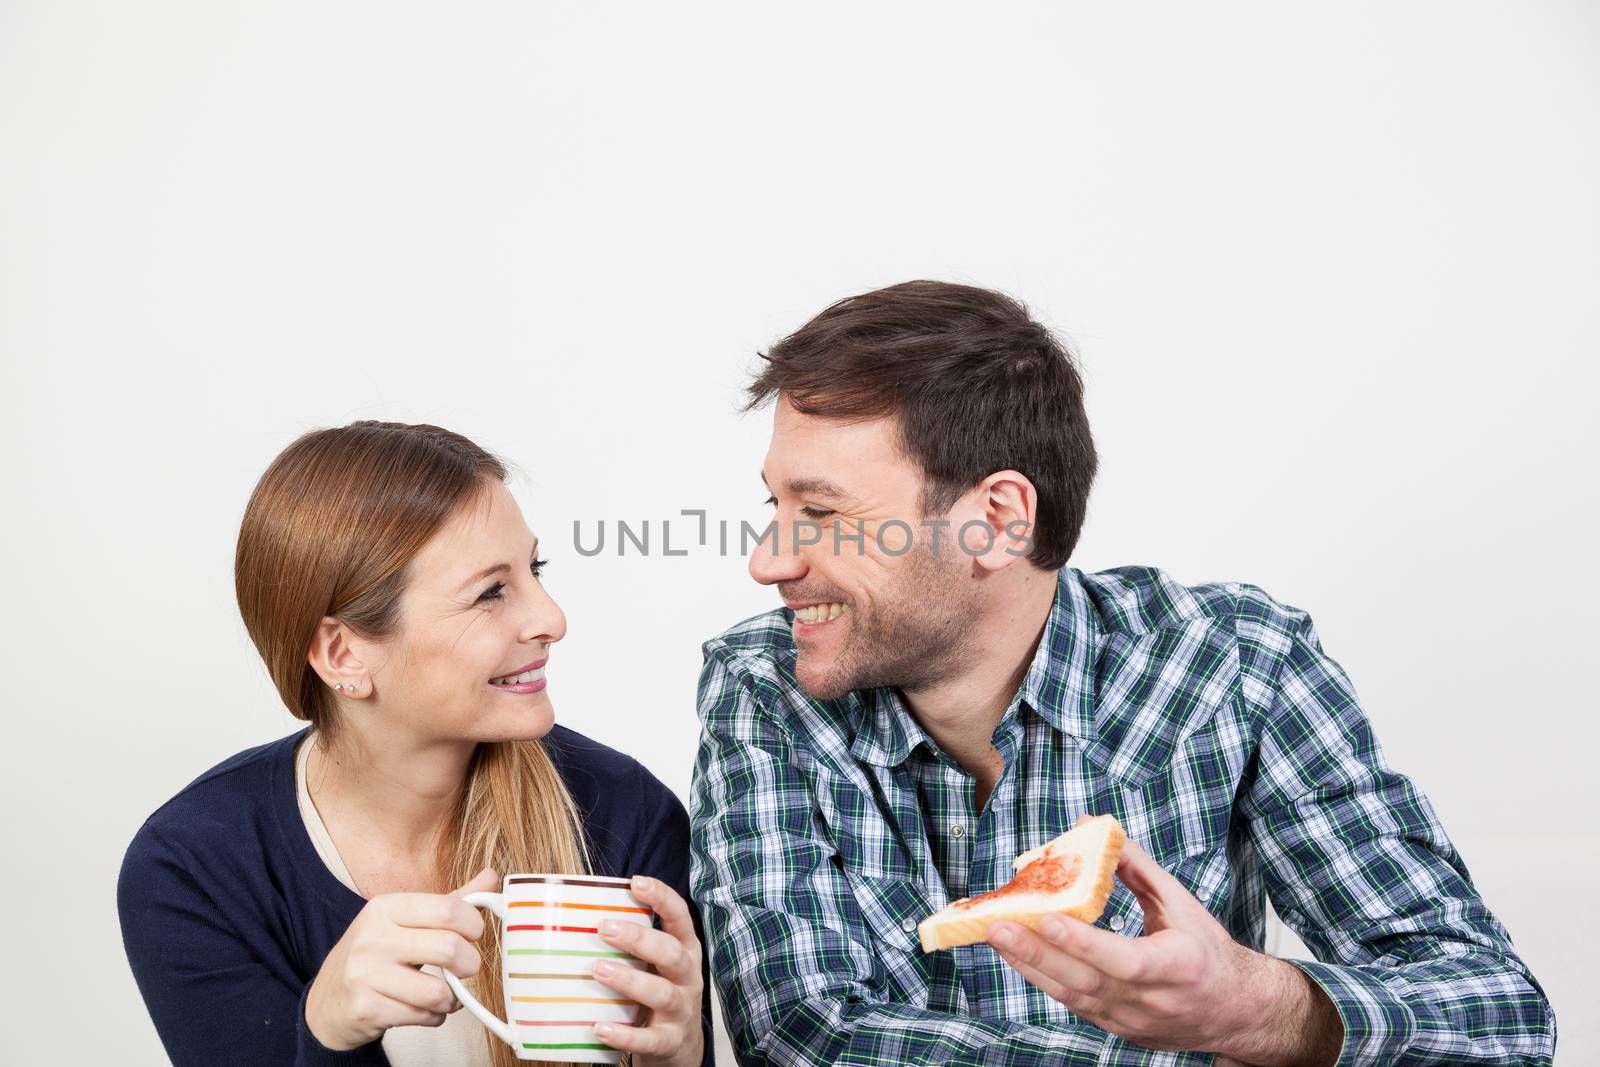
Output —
<point x="1058" y="686"/>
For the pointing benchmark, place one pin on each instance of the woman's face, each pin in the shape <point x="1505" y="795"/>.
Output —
<point x="476" y="626"/>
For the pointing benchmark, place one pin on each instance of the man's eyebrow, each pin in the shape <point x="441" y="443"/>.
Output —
<point x="497" y="568"/>
<point x="810" y="487"/>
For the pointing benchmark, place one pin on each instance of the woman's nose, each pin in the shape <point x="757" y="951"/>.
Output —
<point x="545" y="621"/>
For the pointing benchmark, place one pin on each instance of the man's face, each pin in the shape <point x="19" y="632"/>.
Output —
<point x="895" y="608"/>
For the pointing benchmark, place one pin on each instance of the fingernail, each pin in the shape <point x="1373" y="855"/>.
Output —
<point x="1003" y="937"/>
<point x="1052" y="927"/>
<point x="610" y="928"/>
<point x="603" y="1030"/>
<point x="605" y="968"/>
<point x="639" y="883"/>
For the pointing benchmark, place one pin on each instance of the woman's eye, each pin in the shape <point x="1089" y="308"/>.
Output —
<point x="498" y="589"/>
<point x="771" y="500"/>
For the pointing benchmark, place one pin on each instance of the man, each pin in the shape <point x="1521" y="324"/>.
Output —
<point x="941" y="692"/>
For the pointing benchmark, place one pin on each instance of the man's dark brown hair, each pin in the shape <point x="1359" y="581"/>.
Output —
<point x="976" y="384"/>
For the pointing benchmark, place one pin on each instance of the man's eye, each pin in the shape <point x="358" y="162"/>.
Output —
<point x="810" y="513"/>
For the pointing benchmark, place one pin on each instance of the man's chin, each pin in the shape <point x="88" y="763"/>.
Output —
<point x="820" y="681"/>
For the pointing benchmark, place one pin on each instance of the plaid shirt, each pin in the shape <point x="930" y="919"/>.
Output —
<point x="1207" y="719"/>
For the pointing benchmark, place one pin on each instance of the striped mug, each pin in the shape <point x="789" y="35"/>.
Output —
<point x="549" y="943"/>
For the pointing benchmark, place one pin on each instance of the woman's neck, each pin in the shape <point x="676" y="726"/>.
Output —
<point x="386" y="801"/>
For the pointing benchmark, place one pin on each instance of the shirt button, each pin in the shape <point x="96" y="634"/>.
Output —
<point x="909" y="925"/>
<point x="1116" y="922"/>
<point x="958" y="831"/>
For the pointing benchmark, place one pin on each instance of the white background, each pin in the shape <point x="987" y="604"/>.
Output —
<point x="1332" y="271"/>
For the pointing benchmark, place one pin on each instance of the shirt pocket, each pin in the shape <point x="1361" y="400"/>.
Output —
<point x="892" y="908"/>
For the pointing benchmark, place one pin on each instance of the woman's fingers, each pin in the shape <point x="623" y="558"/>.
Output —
<point x="671" y="996"/>
<point x="434" y="911"/>
<point x="651" y="990"/>
<point x="408" y="986"/>
<point x="643" y="1040"/>
<point x="384" y="1012"/>
<point x="656" y="947"/>
<point x="369" y="982"/>
<point x="485" y="881"/>
<point x="675" y="917"/>
<point x="440" y="948"/>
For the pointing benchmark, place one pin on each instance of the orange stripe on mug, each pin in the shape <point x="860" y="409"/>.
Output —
<point x="584" y="907"/>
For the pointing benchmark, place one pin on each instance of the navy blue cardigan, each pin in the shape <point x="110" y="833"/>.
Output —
<point x="228" y="912"/>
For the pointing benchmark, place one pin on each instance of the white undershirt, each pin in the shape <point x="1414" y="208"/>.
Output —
<point x="461" y="1041"/>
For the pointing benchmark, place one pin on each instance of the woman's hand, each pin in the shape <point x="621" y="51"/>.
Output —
<point x="371" y="979"/>
<point x="668" y="1034"/>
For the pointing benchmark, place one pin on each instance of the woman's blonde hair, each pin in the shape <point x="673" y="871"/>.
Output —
<point x="329" y="532"/>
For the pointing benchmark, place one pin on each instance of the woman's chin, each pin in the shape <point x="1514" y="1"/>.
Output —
<point x="524" y="724"/>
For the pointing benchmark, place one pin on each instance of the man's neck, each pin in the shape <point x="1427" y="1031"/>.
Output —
<point x="961" y="714"/>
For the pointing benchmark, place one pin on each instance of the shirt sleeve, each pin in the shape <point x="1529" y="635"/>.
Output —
<point x="792" y="955"/>
<point x="211" y="992"/>
<point x="1357" y="863"/>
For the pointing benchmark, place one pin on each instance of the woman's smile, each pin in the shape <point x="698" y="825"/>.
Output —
<point x="525" y="679"/>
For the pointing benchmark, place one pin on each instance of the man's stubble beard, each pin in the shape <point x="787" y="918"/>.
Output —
<point x="919" y="635"/>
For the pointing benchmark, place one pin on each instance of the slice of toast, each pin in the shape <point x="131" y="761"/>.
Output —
<point x="1068" y="876"/>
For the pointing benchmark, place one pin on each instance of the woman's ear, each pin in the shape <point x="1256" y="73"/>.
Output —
<point x="334" y="657"/>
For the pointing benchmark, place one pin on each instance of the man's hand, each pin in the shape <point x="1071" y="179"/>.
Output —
<point x="1184" y="985"/>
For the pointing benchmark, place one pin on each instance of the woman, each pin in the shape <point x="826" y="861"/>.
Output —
<point x="295" y="903"/>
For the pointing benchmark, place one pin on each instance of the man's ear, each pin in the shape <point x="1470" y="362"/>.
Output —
<point x="336" y="660"/>
<point x="998" y="529"/>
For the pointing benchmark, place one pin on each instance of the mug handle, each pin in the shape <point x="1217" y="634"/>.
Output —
<point x="496" y="903"/>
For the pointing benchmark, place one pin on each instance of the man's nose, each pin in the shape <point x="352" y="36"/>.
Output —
<point x="772" y="562"/>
